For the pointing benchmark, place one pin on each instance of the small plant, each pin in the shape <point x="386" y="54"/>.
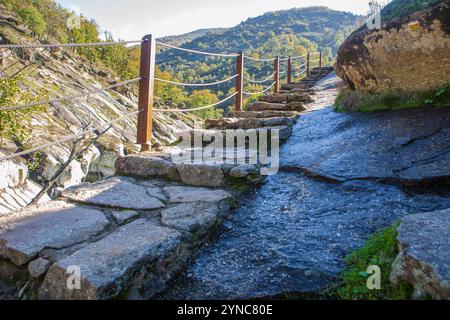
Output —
<point x="380" y="250"/>
<point x="349" y="100"/>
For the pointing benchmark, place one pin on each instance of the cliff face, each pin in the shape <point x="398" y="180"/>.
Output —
<point x="58" y="73"/>
<point x="410" y="51"/>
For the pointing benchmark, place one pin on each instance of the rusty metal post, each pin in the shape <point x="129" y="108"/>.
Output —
<point x="239" y="81"/>
<point x="289" y="70"/>
<point x="147" y="73"/>
<point x="320" y="59"/>
<point x="277" y="75"/>
<point x="308" y="72"/>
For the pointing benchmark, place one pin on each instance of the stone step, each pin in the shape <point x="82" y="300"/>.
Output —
<point x="134" y="259"/>
<point x="287" y="98"/>
<point x="57" y="224"/>
<point x="189" y="165"/>
<point x="263" y="114"/>
<point x="249" y="123"/>
<point x="268" y="106"/>
<point x="131" y="259"/>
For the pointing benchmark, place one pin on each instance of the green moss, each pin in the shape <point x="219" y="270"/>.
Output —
<point x="380" y="250"/>
<point x="403" y="8"/>
<point x="349" y="100"/>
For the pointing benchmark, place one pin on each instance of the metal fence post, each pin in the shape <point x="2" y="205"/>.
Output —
<point x="321" y="63"/>
<point x="277" y="75"/>
<point x="239" y="81"/>
<point x="147" y="72"/>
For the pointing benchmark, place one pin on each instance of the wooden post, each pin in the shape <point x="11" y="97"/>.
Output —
<point x="239" y="81"/>
<point x="320" y="59"/>
<point x="289" y="72"/>
<point x="277" y="75"/>
<point x="147" y="73"/>
<point x="308" y="72"/>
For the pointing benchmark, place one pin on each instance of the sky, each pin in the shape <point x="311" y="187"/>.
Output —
<point x="132" y="19"/>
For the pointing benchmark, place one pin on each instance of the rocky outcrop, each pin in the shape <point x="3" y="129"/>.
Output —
<point x="58" y="73"/>
<point x="410" y="51"/>
<point x="424" y="258"/>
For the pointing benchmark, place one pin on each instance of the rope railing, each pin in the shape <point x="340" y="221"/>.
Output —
<point x="260" y="81"/>
<point x="147" y="78"/>
<point x="197" y="84"/>
<point x="199" y="108"/>
<point x="68" y="98"/>
<point x="260" y="92"/>
<point x="260" y="60"/>
<point x="224" y="55"/>
<point x="67" y="45"/>
<point x="68" y="138"/>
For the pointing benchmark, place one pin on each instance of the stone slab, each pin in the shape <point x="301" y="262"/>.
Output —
<point x="111" y="264"/>
<point x="181" y="194"/>
<point x="118" y="192"/>
<point x="56" y="224"/>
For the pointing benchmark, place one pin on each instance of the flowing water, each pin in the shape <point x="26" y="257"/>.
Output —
<point x="291" y="235"/>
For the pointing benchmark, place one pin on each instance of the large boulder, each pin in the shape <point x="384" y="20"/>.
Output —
<point x="410" y="51"/>
<point x="424" y="258"/>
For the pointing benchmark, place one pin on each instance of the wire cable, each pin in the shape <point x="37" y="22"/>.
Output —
<point x="90" y="92"/>
<point x="261" y="81"/>
<point x="259" y="60"/>
<point x="261" y="92"/>
<point x="66" y="45"/>
<point x="197" y="84"/>
<point x="67" y="138"/>
<point x="196" y="109"/>
<point x="225" y="55"/>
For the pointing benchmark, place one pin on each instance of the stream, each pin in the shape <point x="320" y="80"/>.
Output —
<point x="291" y="235"/>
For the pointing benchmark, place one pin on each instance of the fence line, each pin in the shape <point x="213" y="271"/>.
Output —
<point x="199" y="108"/>
<point x="261" y="92"/>
<point x="224" y="55"/>
<point x="197" y="84"/>
<point x="147" y="79"/>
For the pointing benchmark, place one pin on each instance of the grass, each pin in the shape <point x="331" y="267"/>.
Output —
<point x="397" y="99"/>
<point x="380" y="250"/>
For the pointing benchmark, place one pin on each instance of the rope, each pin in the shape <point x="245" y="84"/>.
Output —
<point x="65" y="45"/>
<point x="299" y="57"/>
<point x="196" y="109"/>
<point x="67" y="138"/>
<point x="196" y="51"/>
<point x="197" y="84"/>
<point x="259" y="60"/>
<point x="261" y="92"/>
<point x="299" y="67"/>
<point x="260" y="81"/>
<point x="90" y="92"/>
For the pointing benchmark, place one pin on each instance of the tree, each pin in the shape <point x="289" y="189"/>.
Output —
<point x="201" y="98"/>
<point x="33" y="19"/>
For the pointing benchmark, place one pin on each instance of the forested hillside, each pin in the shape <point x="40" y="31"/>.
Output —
<point x="289" y="32"/>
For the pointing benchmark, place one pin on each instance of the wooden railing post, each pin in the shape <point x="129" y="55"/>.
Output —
<point x="147" y="73"/>
<point x="308" y="72"/>
<point x="320" y="59"/>
<point x="277" y="75"/>
<point x="239" y="81"/>
<point x="289" y="70"/>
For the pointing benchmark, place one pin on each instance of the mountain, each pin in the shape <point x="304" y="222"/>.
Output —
<point x="179" y="40"/>
<point x="287" y="32"/>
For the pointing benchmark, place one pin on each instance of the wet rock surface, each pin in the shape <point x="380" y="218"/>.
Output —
<point x="424" y="258"/>
<point x="406" y="146"/>
<point x="291" y="235"/>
